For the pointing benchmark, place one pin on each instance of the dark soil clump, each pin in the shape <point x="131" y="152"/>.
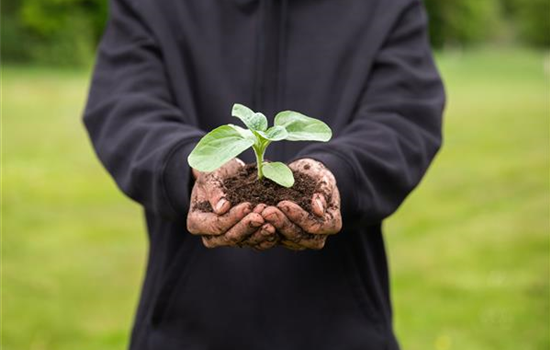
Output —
<point x="245" y="187"/>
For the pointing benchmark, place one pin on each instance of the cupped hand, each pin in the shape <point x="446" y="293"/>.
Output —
<point x="226" y="225"/>
<point x="302" y="230"/>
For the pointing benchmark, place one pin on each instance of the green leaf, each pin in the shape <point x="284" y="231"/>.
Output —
<point x="217" y="148"/>
<point x="253" y="121"/>
<point x="279" y="173"/>
<point x="245" y="133"/>
<point x="275" y="133"/>
<point x="303" y="128"/>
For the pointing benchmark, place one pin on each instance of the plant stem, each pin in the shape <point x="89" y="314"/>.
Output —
<point x="259" y="161"/>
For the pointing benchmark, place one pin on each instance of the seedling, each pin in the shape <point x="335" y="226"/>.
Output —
<point x="228" y="141"/>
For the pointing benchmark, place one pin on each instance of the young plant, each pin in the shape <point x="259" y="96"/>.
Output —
<point x="228" y="141"/>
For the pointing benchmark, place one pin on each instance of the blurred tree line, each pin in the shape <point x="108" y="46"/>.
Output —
<point x="66" y="32"/>
<point x="56" y="32"/>
<point x="467" y="22"/>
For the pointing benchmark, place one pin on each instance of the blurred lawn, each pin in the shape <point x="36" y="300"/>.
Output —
<point x="469" y="249"/>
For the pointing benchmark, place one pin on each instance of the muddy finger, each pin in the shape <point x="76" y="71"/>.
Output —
<point x="318" y="205"/>
<point x="291" y="245"/>
<point x="281" y="222"/>
<point x="315" y="242"/>
<point x="259" y="208"/>
<point x="332" y="222"/>
<point x="302" y="218"/>
<point x="244" y="228"/>
<point x="204" y="223"/>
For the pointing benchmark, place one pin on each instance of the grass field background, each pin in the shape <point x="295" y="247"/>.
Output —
<point x="469" y="249"/>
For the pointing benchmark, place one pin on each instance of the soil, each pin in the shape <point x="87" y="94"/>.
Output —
<point x="245" y="187"/>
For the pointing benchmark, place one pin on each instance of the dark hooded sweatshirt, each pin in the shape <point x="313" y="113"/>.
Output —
<point x="169" y="71"/>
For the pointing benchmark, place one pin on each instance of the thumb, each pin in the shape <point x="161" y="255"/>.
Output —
<point x="216" y="197"/>
<point x="318" y="204"/>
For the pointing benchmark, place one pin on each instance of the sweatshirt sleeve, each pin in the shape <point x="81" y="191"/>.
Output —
<point x="137" y="131"/>
<point x="395" y="132"/>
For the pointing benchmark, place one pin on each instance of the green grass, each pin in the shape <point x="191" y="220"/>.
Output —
<point x="469" y="249"/>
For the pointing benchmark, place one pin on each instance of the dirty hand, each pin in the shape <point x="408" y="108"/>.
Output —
<point x="240" y="225"/>
<point x="302" y="230"/>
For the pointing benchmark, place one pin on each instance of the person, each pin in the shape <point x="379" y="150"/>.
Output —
<point x="167" y="72"/>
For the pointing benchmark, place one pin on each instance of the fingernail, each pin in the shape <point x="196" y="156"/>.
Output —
<point x="256" y="223"/>
<point x="259" y="208"/>
<point x="320" y="204"/>
<point x="220" y="204"/>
